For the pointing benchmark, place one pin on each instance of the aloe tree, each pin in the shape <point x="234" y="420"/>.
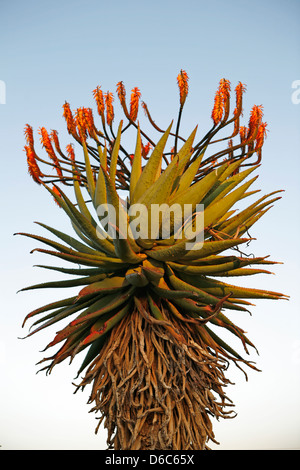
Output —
<point x="151" y="308"/>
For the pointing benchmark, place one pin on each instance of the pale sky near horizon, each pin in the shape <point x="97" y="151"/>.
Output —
<point x="58" y="51"/>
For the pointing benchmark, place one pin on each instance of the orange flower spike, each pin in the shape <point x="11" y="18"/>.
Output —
<point x="238" y="111"/>
<point x="29" y="135"/>
<point x="81" y="123"/>
<point x="261" y="135"/>
<point x="146" y="149"/>
<point x="109" y="98"/>
<point x="254" y="121"/>
<point x="239" y="90"/>
<point x="134" y="103"/>
<point x="70" y="152"/>
<point x="243" y="133"/>
<point x="46" y="142"/>
<point x="98" y="96"/>
<point x="121" y="92"/>
<point x="89" y="121"/>
<point x="33" y="168"/>
<point x="225" y="88"/>
<point x="56" y="191"/>
<point x="182" y="81"/>
<point x="218" y="108"/>
<point x="67" y="114"/>
<point x="221" y="102"/>
<point x="71" y="155"/>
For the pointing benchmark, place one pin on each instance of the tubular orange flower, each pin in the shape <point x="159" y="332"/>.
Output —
<point x="33" y="167"/>
<point x="109" y="98"/>
<point x="54" y="138"/>
<point x="46" y="142"/>
<point x="98" y="96"/>
<point x="70" y="152"/>
<point x="254" y="121"/>
<point x="218" y="108"/>
<point x="182" y="81"/>
<point x="261" y="135"/>
<point x="239" y="90"/>
<point x="67" y="114"/>
<point x="236" y="122"/>
<point x="89" y="121"/>
<point x="238" y="111"/>
<point x="121" y="92"/>
<point x="221" y="102"/>
<point x="145" y="149"/>
<point x="225" y="88"/>
<point x="144" y="291"/>
<point x="81" y="123"/>
<point x="230" y="156"/>
<point x="134" y="103"/>
<point x="28" y="131"/>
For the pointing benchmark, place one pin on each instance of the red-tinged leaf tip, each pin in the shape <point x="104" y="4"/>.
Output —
<point x="69" y="118"/>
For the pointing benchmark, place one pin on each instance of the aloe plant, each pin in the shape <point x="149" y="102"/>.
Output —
<point x="150" y="308"/>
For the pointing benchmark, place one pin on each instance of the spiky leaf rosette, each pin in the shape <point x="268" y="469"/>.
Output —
<point x="148" y="305"/>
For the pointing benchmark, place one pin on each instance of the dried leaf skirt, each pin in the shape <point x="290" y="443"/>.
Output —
<point x="154" y="391"/>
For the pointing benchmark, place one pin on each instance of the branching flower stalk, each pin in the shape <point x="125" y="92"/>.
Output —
<point x="150" y="310"/>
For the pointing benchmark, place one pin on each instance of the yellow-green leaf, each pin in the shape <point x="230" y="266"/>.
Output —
<point x="150" y="171"/>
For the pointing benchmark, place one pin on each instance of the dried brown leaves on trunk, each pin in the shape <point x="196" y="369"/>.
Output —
<point x="154" y="392"/>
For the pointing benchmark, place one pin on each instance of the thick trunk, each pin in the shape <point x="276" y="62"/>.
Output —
<point x="152" y="383"/>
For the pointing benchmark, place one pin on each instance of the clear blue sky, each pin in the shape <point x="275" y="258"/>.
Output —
<point x="61" y="50"/>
